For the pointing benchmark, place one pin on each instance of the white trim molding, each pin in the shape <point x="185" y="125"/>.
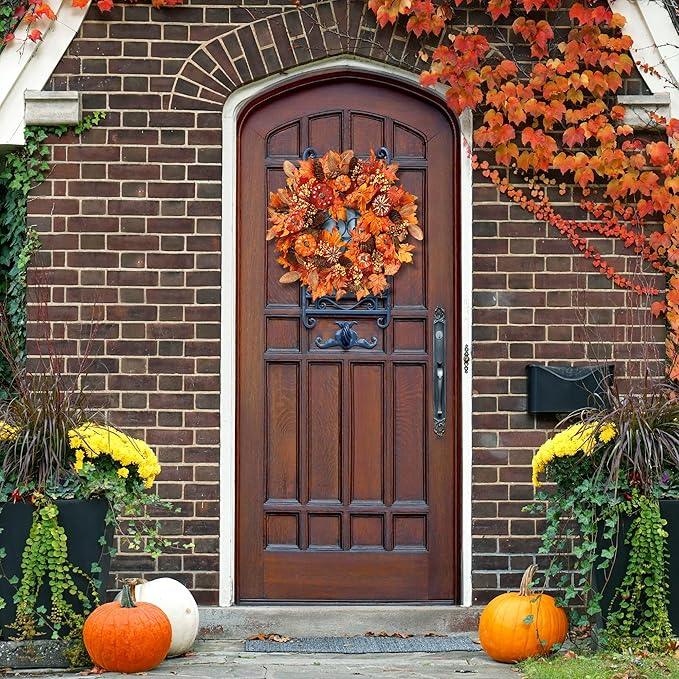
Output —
<point x="233" y="106"/>
<point x="656" y="43"/>
<point x="27" y="65"/>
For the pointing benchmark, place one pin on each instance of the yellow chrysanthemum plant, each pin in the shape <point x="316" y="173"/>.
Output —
<point x="578" y="439"/>
<point x="93" y="443"/>
<point x="609" y="477"/>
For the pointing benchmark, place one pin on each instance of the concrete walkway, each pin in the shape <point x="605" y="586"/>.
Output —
<point x="216" y="659"/>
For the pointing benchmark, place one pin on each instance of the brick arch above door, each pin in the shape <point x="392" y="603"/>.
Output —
<point x="283" y="41"/>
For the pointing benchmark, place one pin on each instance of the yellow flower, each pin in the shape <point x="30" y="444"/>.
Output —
<point x="578" y="438"/>
<point x="92" y="440"/>
<point x="7" y="432"/>
<point x="608" y="432"/>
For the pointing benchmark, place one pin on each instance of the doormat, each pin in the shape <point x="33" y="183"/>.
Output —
<point x="453" y="642"/>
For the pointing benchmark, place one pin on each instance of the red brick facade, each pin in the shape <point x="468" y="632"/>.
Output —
<point x="130" y="221"/>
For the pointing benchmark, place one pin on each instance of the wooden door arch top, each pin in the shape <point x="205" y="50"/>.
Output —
<point x="345" y="492"/>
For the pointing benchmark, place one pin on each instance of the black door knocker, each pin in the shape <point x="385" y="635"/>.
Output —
<point x="346" y="337"/>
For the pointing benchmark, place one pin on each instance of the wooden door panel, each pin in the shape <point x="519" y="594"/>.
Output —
<point x="410" y="444"/>
<point x="366" y="417"/>
<point x="366" y="132"/>
<point x="408" y="143"/>
<point x="325" y="131"/>
<point x="344" y="491"/>
<point x="285" y="141"/>
<point x="282" y="429"/>
<point x="324" y="457"/>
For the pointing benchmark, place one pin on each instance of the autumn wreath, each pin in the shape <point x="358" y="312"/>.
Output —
<point x="342" y="223"/>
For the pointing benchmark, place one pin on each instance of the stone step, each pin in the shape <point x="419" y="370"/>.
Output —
<point x="241" y="622"/>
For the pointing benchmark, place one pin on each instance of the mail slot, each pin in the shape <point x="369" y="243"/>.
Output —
<point x="563" y="389"/>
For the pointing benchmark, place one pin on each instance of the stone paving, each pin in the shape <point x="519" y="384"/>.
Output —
<point x="215" y="659"/>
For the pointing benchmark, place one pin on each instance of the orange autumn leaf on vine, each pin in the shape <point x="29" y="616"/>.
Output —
<point x="425" y="17"/>
<point x="536" y="33"/>
<point x="658" y="153"/>
<point x="499" y="8"/>
<point x="42" y="9"/>
<point x="387" y="11"/>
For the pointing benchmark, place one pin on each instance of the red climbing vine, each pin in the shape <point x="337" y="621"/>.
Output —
<point x="553" y="120"/>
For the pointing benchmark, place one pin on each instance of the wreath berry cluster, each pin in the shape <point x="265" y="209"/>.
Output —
<point x="311" y="220"/>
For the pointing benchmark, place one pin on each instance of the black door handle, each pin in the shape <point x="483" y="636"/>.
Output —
<point x="439" y="383"/>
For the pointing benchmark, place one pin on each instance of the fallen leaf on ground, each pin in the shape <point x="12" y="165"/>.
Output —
<point x="278" y="638"/>
<point x="398" y="635"/>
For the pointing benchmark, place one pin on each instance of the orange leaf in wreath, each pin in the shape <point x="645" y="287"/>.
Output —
<point x="332" y="238"/>
<point x="405" y="253"/>
<point x="362" y="196"/>
<point x="408" y="213"/>
<point x="337" y="210"/>
<point x="373" y="223"/>
<point x="289" y="277"/>
<point x="377" y="283"/>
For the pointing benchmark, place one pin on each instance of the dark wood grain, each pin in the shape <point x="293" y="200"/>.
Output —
<point x="344" y="491"/>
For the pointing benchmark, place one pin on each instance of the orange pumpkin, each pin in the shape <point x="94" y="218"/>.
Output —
<point x="126" y="636"/>
<point x="519" y="625"/>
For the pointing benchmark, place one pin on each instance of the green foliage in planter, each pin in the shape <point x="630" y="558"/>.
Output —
<point x="576" y="509"/>
<point x="20" y="172"/>
<point x="45" y="563"/>
<point x="640" y="605"/>
<point x="610" y="464"/>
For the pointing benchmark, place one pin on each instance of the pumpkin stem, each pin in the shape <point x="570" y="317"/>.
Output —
<point x="126" y="597"/>
<point x="132" y="584"/>
<point x="524" y="587"/>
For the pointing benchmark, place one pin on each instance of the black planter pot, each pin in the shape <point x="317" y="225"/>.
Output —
<point x="669" y="510"/>
<point x="84" y="524"/>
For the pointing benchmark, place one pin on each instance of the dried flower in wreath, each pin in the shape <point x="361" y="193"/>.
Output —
<point x="342" y="224"/>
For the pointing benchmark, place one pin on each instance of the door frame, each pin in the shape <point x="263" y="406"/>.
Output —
<point x="233" y="107"/>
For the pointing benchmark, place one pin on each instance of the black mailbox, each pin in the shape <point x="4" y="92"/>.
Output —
<point x="563" y="389"/>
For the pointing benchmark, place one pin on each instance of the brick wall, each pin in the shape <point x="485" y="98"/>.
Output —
<point x="130" y="224"/>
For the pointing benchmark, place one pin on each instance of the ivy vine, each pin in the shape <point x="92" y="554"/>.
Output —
<point x="9" y="19"/>
<point x="45" y="563"/>
<point x="640" y="606"/>
<point x="20" y="172"/>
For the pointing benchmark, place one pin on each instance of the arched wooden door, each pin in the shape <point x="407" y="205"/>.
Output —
<point x="345" y="491"/>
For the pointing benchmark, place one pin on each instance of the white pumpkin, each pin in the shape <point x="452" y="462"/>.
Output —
<point x="178" y="604"/>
